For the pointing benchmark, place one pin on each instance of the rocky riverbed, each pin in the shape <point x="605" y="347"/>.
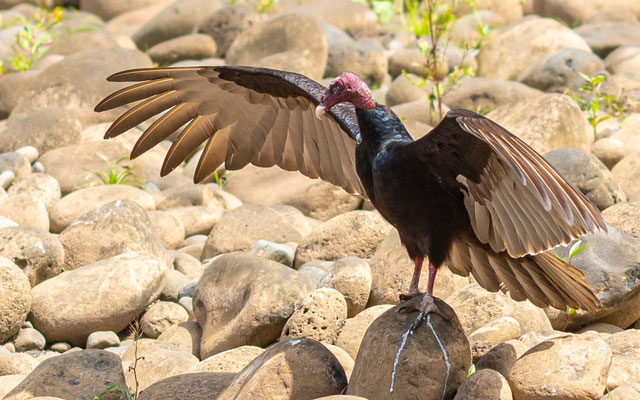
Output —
<point x="264" y="284"/>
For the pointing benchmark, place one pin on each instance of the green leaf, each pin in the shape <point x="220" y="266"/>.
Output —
<point x="606" y="117"/>
<point x="596" y="80"/>
<point x="472" y="370"/>
<point x="571" y="311"/>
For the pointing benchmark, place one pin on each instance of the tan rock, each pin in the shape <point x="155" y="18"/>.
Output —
<point x="571" y="367"/>
<point x="144" y="345"/>
<point x="241" y="227"/>
<point x="176" y="280"/>
<point x="350" y="276"/>
<point x="170" y="229"/>
<point x="17" y="364"/>
<point x="295" y="369"/>
<point x="391" y="363"/>
<point x="39" y="253"/>
<point x="608" y="150"/>
<point x="38" y="185"/>
<point x="26" y="210"/>
<point x="354" y="328"/>
<point x="601" y="328"/>
<point x="356" y="233"/>
<point x="625" y="216"/>
<point x="156" y="364"/>
<point x="110" y="230"/>
<point x="74" y="205"/>
<point x="104" y="296"/>
<point x="245" y="299"/>
<point x="625" y="173"/>
<point x="8" y="382"/>
<point x="160" y="316"/>
<point x="628" y="391"/>
<point x="232" y="361"/>
<point x="15" y="301"/>
<point x="485" y="384"/>
<point x="188" y="386"/>
<point x="625" y="367"/>
<point x="492" y="334"/>
<point x="197" y="219"/>
<point x="187" y="264"/>
<point x="477" y="307"/>
<point x="319" y="317"/>
<point x="343" y="357"/>
<point x="74" y="375"/>
<point x="392" y="269"/>
<point x="274" y="186"/>
<point x="186" y="335"/>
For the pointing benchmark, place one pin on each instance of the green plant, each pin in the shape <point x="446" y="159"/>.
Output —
<point x="222" y="181"/>
<point x="34" y="39"/>
<point x="596" y="100"/>
<point x="116" y="174"/>
<point x="115" y="388"/>
<point x="573" y="251"/>
<point x="431" y="22"/>
<point x="384" y="9"/>
<point x="472" y="370"/>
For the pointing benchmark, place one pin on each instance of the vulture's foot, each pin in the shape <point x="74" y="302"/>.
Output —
<point x="409" y="296"/>
<point x="424" y="307"/>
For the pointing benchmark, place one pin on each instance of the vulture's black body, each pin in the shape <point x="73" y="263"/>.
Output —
<point x="468" y="194"/>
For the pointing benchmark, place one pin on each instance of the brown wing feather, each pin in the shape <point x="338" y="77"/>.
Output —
<point x="248" y="115"/>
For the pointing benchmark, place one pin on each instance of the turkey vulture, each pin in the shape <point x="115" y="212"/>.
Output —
<point x="469" y="194"/>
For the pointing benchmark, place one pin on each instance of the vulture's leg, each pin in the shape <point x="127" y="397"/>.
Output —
<point x="413" y="287"/>
<point x="427" y="304"/>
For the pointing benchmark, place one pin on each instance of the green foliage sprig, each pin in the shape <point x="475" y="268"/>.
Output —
<point x="117" y="174"/>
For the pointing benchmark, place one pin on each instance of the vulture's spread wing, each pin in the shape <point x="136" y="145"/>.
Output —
<point x="516" y="201"/>
<point x="248" y="115"/>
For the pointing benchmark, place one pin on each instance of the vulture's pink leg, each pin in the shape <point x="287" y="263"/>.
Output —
<point x="413" y="287"/>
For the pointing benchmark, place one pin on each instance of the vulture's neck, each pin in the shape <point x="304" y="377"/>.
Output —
<point x="380" y="127"/>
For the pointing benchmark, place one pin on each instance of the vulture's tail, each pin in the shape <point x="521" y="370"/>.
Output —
<point x="543" y="278"/>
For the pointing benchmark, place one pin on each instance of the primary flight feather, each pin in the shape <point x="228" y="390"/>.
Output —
<point x="469" y="194"/>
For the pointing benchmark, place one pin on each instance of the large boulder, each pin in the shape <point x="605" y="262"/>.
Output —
<point x="245" y="299"/>
<point x="15" y="301"/>
<point x="392" y="360"/>
<point x="104" y="296"/>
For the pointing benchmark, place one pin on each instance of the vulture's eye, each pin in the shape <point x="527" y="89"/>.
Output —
<point x="336" y="87"/>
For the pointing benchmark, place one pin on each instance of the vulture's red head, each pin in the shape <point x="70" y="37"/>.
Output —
<point x="348" y="87"/>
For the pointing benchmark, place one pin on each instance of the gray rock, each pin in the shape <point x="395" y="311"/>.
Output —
<point x="188" y="289"/>
<point x="271" y="289"/>
<point x="29" y="339"/>
<point x="14" y="162"/>
<point x="588" y="174"/>
<point x="277" y="252"/>
<point x="287" y="34"/>
<point x="187" y="303"/>
<point x="102" y="340"/>
<point x="180" y="18"/>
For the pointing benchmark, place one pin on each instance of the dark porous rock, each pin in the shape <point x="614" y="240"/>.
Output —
<point x="180" y="18"/>
<point x="274" y="186"/>
<point x="570" y="367"/>
<point x="524" y="43"/>
<point x="364" y="57"/>
<point x="356" y="233"/>
<point x="169" y="228"/>
<point x="558" y="71"/>
<point x="502" y="357"/>
<point x="195" y="46"/>
<point x="16" y="163"/>
<point x="105" y="296"/>
<point x="73" y="206"/>
<point x="545" y="122"/>
<point x="405" y="89"/>
<point x="241" y="227"/>
<point x="160" y="316"/>
<point x="189" y="386"/>
<point x="319" y="317"/>
<point x="109" y="230"/>
<point x="15" y="301"/>
<point x="294" y="369"/>
<point x="11" y="86"/>
<point x="289" y="33"/>
<point x="350" y="276"/>
<point x="484" y="384"/>
<point x="391" y="363"/>
<point x="611" y="263"/>
<point x="74" y="375"/>
<point x="391" y="271"/>
<point x="71" y="166"/>
<point x="477" y="307"/>
<point x="412" y="61"/>
<point x="605" y="37"/>
<point x="588" y="174"/>
<point x="472" y="92"/>
<point x="225" y="24"/>
<point x="186" y="335"/>
<point x="67" y="83"/>
<point x="29" y="339"/>
<point x="625" y="367"/>
<point x="625" y="216"/>
<point x="263" y="296"/>
<point x="38" y="185"/>
<point x="38" y="253"/>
